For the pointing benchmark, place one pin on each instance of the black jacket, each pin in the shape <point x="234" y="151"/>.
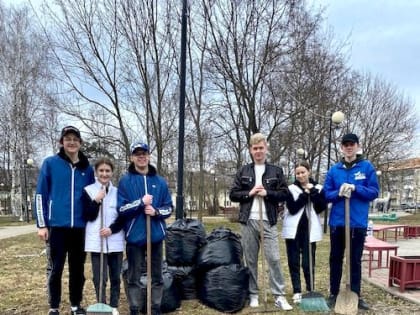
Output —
<point x="274" y="183"/>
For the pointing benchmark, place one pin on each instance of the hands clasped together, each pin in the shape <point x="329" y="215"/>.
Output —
<point x="346" y="189"/>
<point x="258" y="190"/>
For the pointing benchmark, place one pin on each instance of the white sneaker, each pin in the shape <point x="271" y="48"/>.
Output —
<point x="297" y="298"/>
<point x="253" y="300"/>
<point x="115" y="311"/>
<point x="282" y="303"/>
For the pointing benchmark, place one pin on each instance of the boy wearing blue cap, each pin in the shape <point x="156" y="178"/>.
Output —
<point x="141" y="193"/>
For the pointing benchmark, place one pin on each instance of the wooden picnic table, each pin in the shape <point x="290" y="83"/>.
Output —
<point x="381" y="231"/>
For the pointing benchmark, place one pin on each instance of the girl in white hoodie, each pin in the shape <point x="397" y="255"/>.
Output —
<point x="100" y="210"/>
<point x="306" y="201"/>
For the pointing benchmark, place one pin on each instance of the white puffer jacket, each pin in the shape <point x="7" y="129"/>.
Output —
<point x="113" y="243"/>
<point x="291" y="222"/>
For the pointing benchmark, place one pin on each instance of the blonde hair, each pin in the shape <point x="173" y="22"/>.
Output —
<point x="257" y="138"/>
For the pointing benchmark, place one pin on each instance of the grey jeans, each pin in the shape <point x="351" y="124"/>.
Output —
<point x="251" y="246"/>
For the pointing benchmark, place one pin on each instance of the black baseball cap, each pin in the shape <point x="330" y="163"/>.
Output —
<point x="70" y="129"/>
<point x="350" y="137"/>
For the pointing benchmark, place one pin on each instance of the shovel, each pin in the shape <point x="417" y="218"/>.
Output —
<point x="148" y="258"/>
<point x="347" y="301"/>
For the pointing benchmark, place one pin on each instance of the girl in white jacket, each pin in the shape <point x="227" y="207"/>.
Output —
<point x="100" y="210"/>
<point x="306" y="200"/>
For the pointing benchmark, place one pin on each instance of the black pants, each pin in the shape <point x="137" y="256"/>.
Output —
<point x="66" y="242"/>
<point x="112" y="265"/>
<point x="136" y="258"/>
<point x="338" y="245"/>
<point x="295" y="248"/>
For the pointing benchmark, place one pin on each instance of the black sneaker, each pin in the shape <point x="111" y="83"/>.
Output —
<point x="331" y="301"/>
<point x="78" y="311"/>
<point x="362" y="305"/>
<point x="53" y="312"/>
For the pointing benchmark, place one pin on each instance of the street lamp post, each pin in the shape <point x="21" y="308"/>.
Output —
<point x="213" y="172"/>
<point x="29" y="163"/>
<point x="336" y="119"/>
<point x="3" y="210"/>
<point x="191" y="191"/>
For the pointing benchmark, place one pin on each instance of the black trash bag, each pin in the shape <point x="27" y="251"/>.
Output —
<point x="183" y="239"/>
<point x="223" y="248"/>
<point x="171" y="298"/>
<point x="185" y="281"/>
<point x="224" y="288"/>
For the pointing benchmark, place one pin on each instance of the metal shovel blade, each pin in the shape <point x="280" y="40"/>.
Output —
<point x="346" y="303"/>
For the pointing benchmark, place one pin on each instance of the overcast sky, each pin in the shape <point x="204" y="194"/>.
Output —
<point x="384" y="38"/>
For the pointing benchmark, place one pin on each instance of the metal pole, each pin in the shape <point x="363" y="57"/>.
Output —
<point x="180" y="177"/>
<point x="328" y="167"/>
<point x="191" y="192"/>
<point x="26" y="192"/>
<point x="214" y="193"/>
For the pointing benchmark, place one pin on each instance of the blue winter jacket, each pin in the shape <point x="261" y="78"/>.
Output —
<point x="362" y="175"/>
<point x="58" y="199"/>
<point x="131" y="190"/>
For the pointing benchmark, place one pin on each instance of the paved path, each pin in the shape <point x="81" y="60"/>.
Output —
<point x="12" y="231"/>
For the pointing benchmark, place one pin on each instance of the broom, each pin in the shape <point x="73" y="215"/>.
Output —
<point x="100" y="308"/>
<point x="312" y="301"/>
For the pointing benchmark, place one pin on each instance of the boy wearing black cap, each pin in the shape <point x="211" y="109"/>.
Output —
<point x="141" y="193"/>
<point x="353" y="177"/>
<point x="59" y="210"/>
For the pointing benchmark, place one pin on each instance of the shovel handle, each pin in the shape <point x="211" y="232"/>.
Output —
<point x="149" y="266"/>
<point x="347" y="236"/>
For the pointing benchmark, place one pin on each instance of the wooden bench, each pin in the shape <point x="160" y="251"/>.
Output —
<point x="411" y="231"/>
<point x="373" y="245"/>
<point x="381" y="231"/>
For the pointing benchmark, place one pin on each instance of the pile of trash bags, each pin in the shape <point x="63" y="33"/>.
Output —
<point x="222" y="279"/>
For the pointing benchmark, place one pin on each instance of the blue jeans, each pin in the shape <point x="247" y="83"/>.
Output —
<point x="112" y="263"/>
<point x="136" y="258"/>
<point x="338" y="245"/>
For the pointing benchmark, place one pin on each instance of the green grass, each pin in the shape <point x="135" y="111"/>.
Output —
<point x="23" y="289"/>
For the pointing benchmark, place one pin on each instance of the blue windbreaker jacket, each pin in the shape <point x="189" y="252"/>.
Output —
<point x="131" y="189"/>
<point x="362" y="174"/>
<point x="58" y="199"/>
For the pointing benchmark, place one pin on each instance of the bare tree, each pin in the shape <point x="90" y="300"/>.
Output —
<point x="250" y="41"/>
<point x="25" y="84"/>
<point x="151" y="29"/>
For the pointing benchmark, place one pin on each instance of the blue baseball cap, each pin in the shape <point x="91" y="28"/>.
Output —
<point x="139" y="146"/>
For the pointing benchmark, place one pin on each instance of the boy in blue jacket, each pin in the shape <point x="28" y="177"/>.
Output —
<point x="142" y="192"/>
<point x="353" y="177"/>
<point x="59" y="217"/>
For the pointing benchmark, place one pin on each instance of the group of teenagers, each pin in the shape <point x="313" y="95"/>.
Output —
<point x="78" y="211"/>
<point x="263" y="185"/>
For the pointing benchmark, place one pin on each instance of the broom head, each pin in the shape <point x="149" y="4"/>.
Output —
<point x="314" y="302"/>
<point x="99" y="309"/>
